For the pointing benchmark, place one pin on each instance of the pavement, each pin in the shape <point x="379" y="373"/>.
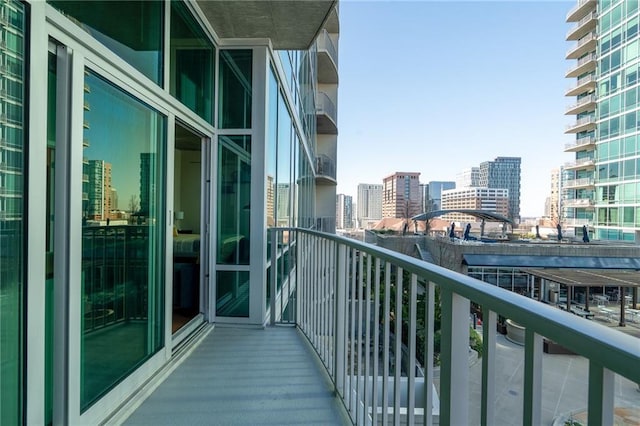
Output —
<point x="564" y="388"/>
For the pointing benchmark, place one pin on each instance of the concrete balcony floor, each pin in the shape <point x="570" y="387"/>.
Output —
<point x="245" y="376"/>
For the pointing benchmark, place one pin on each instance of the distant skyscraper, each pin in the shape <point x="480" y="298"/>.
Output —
<point x="98" y="205"/>
<point x="554" y="199"/>
<point x="434" y="194"/>
<point x="369" y="203"/>
<point x="344" y="211"/>
<point x="401" y="195"/>
<point x="504" y="172"/>
<point x="468" y="178"/>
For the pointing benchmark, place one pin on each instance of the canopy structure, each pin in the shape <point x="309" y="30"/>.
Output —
<point x="587" y="278"/>
<point x="480" y="214"/>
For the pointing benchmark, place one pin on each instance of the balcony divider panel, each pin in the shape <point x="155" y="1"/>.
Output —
<point x="454" y="384"/>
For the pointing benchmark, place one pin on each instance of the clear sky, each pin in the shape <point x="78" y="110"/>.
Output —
<point x="439" y="86"/>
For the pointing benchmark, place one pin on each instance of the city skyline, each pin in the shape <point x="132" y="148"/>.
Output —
<point x="495" y="88"/>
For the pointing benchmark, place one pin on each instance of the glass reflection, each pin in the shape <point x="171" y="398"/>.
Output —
<point x="122" y="239"/>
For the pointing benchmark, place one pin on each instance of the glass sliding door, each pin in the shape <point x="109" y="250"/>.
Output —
<point x="123" y="205"/>
<point x="12" y="210"/>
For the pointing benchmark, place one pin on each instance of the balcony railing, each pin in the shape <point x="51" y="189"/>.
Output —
<point x="578" y="183"/>
<point x="582" y="6"/>
<point x="325" y="166"/>
<point x="325" y="42"/>
<point x="581" y="123"/>
<point x="581" y="47"/>
<point x="580" y="143"/>
<point x="324" y="105"/>
<point x="580" y="105"/>
<point x="581" y="163"/>
<point x="579" y="202"/>
<point x="586" y="19"/>
<point x="569" y="223"/>
<point x="369" y="313"/>
<point x="581" y="85"/>
<point x="592" y="57"/>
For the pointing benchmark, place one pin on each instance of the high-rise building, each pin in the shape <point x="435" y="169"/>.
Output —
<point x="554" y="208"/>
<point x="434" y="194"/>
<point x="369" y="203"/>
<point x="211" y="131"/>
<point x="468" y="178"/>
<point x="504" y="173"/>
<point x="578" y="178"/>
<point x="601" y="189"/>
<point x="98" y="205"/>
<point x="494" y="200"/>
<point x="344" y="211"/>
<point x="401" y="195"/>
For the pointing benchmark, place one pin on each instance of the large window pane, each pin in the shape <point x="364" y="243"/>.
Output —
<point x="191" y="62"/>
<point x="122" y="236"/>
<point x="234" y="198"/>
<point x="12" y="225"/>
<point x="235" y="89"/>
<point x="132" y="29"/>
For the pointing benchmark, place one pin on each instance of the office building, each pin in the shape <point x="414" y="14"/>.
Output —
<point x="209" y="128"/>
<point x="369" y="204"/>
<point x="401" y="195"/>
<point x="468" y="178"/>
<point x="344" y="211"/>
<point x="494" y="200"/>
<point x="434" y="194"/>
<point x="503" y="173"/>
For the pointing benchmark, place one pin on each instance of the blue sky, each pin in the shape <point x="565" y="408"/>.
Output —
<point x="437" y="87"/>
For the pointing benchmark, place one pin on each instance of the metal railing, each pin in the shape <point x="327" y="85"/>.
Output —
<point x="575" y="183"/>
<point x="325" y="105"/>
<point x="581" y="122"/>
<point x="583" y="101"/>
<point x="325" y="166"/>
<point x="583" y="141"/>
<point x="369" y="313"/>
<point x="583" y="162"/>
<point x="325" y="43"/>
<point x="590" y="16"/>
<point x="580" y="4"/>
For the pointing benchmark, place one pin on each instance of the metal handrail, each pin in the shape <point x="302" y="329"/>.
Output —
<point x="324" y="104"/>
<point x="341" y="292"/>
<point x="326" y="43"/>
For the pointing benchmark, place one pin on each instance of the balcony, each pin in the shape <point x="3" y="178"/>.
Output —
<point x="327" y="59"/>
<point x="326" y="115"/>
<point x="581" y="9"/>
<point x="587" y="103"/>
<point x="576" y="223"/>
<point x="584" y="65"/>
<point x="584" y="45"/>
<point x="578" y="203"/>
<point x="581" y="125"/>
<point x="579" y="183"/>
<point x="584" y="84"/>
<point x="581" y="144"/>
<point x="346" y="321"/>
<point x="584" y="25"/>
<point x="325" y="170"/>
<point x="583" y="163"/>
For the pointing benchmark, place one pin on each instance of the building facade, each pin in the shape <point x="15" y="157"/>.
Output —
<point x="468" y="178"/>
<point x="504" y="172"/>
<point x="434" y="194"/>
<point x="209" y="130"/>
<point x="344" y="211"/>
<point x="401" y="195"/>
<point x="369" y="204"/>
<point x="494" y="200"/>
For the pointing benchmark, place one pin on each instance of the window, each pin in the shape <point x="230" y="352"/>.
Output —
<point x="235" y="89"/>
<point x="122" y="236"/>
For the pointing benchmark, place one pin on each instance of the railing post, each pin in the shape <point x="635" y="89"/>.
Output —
<point x="532" y="378"/>
<point x="339" y="323"/>
<point x="413" y="319"/>
<point x="454" y="356"/>
<point x="273" y="273"/>
<point x="428" y="353"/>
<point x="489" y="323"/>
<point x="601" y="395"/>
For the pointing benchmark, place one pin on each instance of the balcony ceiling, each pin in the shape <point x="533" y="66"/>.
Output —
<point x="289" y="24"/>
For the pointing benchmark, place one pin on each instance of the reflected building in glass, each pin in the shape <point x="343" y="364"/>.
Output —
<point x="140" y="214"/>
